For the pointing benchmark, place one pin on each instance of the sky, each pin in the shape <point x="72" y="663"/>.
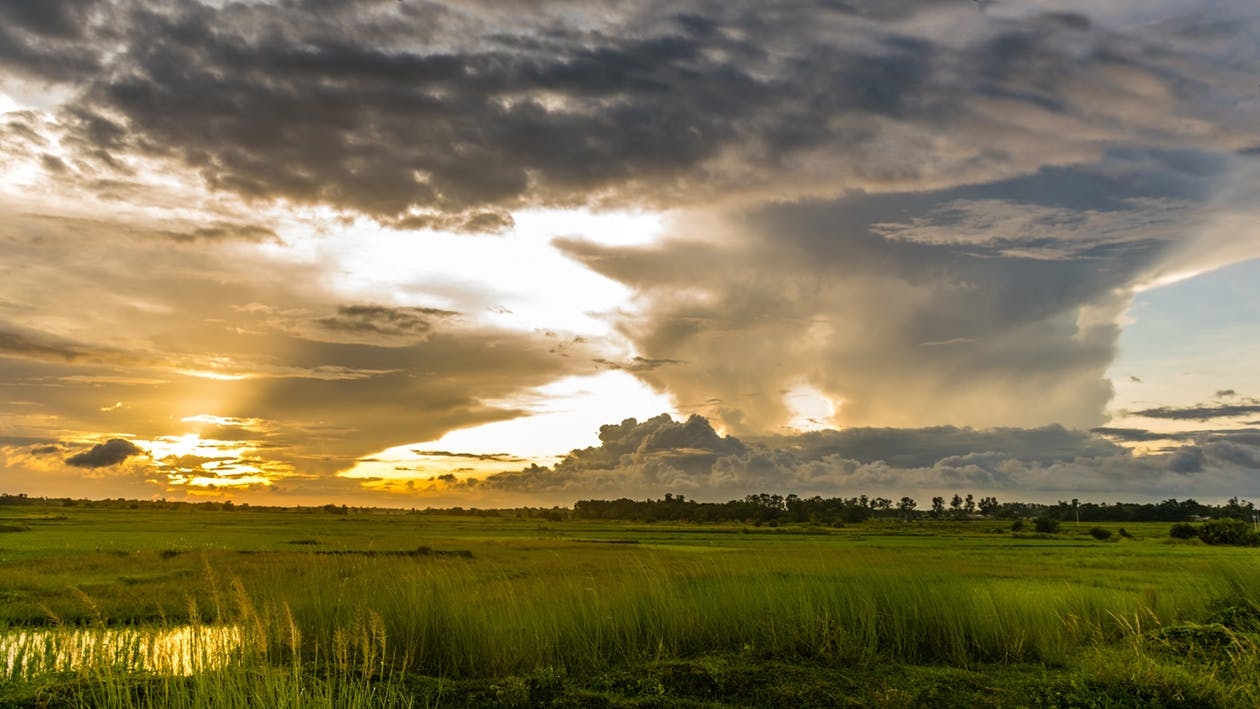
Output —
<point x="412" y="254"/>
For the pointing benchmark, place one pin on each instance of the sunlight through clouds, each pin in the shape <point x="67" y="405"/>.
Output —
<point x="555" y="412"/>
<point x="316" y="254"/>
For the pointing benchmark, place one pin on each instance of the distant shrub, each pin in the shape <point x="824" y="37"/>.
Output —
<point x="1125" y="533"/>
<point x="1100" y="534"/>
<point x="1183" y="530"/>
<point x="1017" y="525"/>
<point x="1228" y="531"/>
<point x="1046" y="525"/>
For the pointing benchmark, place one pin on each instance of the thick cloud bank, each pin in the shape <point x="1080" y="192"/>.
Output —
<point x="453" y="113"/>
<point x="650" y="458"/>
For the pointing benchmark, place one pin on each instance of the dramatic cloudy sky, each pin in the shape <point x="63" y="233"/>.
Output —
<point x="408" y="253"/>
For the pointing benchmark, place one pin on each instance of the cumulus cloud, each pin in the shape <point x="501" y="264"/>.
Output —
<point x="101" y="455"/>
<point x="661" y="455"/>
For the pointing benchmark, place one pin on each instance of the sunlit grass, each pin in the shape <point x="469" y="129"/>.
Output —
<point x="530" y="608"/>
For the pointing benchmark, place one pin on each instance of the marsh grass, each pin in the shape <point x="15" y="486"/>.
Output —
<point x="520" y="621"/>
<point x="456" y="618"/>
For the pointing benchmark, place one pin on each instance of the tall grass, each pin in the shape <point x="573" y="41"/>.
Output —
<point x="455" y="619"/>
<point x="348" y="631"/>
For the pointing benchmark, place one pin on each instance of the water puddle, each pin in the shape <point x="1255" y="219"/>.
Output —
<point x="175" y="651"/>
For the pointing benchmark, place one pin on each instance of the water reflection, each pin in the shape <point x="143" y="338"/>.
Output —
<point x="177" y="651"/>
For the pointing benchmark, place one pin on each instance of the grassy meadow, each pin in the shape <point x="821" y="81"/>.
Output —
<point x="373" y="608"/>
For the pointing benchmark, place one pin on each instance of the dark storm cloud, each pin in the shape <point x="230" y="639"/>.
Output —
<point x="62" y="19"/>
<point x="101" y="455"/>
<point x="46" y="40"/>
<point x="446" y="116"/>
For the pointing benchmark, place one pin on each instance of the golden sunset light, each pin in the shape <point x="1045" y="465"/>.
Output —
<point x="663" y="353"/>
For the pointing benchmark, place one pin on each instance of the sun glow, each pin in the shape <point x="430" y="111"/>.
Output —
<point x="192" y="461"/>
<point x="566" y="415"/>
<point x="812" y="410"/>
<point x="174" y="446"/>
<point x="219" y="376"/>
<point x="219" y="482"/>
<point x="374" y="263"/>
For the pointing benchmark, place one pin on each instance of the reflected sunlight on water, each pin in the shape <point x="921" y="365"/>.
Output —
<point x="177" y="651"/>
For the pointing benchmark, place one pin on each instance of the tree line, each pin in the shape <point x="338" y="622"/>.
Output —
<point x="767" y="508"/>
<point x="760" y="508"/>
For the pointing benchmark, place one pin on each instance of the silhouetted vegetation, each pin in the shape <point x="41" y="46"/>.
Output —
<point x="1046" y="525"/>
<point x="1225" y="530"/>
<point x="765" y="508"/>
<point x="1100" y="534"/>
<point x="760" y="508"/>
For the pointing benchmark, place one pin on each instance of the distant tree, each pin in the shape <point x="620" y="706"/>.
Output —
<point x="938" y="506"/>
<point x="970" y="504"/>
<point x="955" y="503"/>
<point x="988" y="506"/>
<point x="1239" y="509"/>
<point x="906" y="506"/>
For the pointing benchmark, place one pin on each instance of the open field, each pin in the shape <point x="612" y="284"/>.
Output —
<point x="405" y="609"/>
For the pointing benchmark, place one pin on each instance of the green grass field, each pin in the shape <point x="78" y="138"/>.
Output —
<point x="398" y="609"/>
